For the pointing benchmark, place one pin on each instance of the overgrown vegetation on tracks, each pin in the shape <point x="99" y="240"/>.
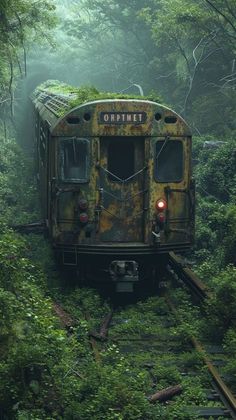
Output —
<point x="49" y="373"/>
<point x="215" y="248"/>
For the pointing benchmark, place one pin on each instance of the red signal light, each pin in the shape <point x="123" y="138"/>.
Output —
<point x="161" y="205"/>
<point x="83" y="218"/>
<point x="83" y="204"/>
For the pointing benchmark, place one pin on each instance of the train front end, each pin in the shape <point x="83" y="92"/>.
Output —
<point x="118" y="187"/>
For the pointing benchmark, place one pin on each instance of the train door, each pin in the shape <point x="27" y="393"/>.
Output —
<point x="122" y="189"/>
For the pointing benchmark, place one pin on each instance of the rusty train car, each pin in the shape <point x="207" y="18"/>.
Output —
<point x="115" y="181"/>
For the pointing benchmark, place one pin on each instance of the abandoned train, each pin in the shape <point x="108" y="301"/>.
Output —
<point x="115" y="182"/>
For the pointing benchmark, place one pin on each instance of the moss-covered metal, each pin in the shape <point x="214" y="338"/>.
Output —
<point x="121" y="216"/>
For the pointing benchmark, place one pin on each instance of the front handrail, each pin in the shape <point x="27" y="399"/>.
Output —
<point x="124" y="196"/>
<point x="123" y="181"/>
<point x="133" y="216"/>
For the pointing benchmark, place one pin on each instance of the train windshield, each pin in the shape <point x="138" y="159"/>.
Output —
<point x="169" y="161"/>
<point x="120" y="159"/>
<point x="74" y="159"/>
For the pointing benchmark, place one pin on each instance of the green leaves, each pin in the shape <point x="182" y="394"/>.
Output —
<point x="216" y="230"/>
<point x="22" y="22"/>
<point x="220" y="308"/>
<point x="215" y="185"/>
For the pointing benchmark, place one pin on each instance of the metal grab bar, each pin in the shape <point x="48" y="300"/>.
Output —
<point x="123" y="181"/>
<point x="133" y="216"/>
<point x="125" y="196"/>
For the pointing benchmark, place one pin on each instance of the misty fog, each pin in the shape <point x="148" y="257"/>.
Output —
<point x="140" y="46"/>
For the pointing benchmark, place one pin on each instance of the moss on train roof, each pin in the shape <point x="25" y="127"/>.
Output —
<point x="78" y="96"/>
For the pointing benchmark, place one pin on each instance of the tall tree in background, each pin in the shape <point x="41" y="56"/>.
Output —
<point x="199" y="37"/>
<point x="21" y="22"/>
<point x="184" y="49"/>
<point x="116" y="38"/>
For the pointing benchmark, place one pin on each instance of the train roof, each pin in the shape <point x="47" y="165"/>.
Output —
<point x="57" y="101"/>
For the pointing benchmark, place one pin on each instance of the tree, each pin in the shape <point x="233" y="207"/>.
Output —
<point x="114" y="41"/>
<point x="21" y="22"/>
<point x="184" y="49"/>
<point x="198" y="40"/>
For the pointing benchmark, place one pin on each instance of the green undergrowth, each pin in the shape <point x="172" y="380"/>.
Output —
<point x="83" y="94"/>
<point x="48" y="372"/>
<point x="34" y="350"/>
<point x="33" y="346"/>
<point x="230" y="349"/>
<point x="215" y="177"/>
<point x="215" y="245"/>
<point x="18" y="193"/>
<point x="118" y="385"/>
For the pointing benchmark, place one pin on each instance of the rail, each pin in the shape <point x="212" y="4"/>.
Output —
<point x="155" y="338"/>
<point x="177" y="267"/>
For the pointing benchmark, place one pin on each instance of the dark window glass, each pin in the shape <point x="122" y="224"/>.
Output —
<point x="74" y="160"/>
<point x="169" y="161"/>
<point x="120" y="159"/>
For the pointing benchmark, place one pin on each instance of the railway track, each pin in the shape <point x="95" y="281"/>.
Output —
<point x="179" y="271"/>
<point x="171" y="367"/>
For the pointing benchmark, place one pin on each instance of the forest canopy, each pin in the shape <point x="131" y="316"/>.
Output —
<point x="22" y="22"/>
<point x="184" y="50"/>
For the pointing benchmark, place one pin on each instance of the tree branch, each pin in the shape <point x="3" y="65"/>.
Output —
<point x="221" y="14"/>
<point x="10" y="83"/>
<point x="230" y="9"/>
<point x="22" y="41"/>
<point x="183" y="54"/>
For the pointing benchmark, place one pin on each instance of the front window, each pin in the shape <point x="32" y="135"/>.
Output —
<point x="169" y="161"/>
<point x="74" y="159"/>
<point x="120" y="159"/>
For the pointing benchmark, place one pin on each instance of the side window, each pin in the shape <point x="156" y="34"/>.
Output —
<point x="169" y="161"/>
<point x="74" y="159"/>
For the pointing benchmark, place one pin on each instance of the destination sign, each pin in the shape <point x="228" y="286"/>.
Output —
<point x="123" y="117"/>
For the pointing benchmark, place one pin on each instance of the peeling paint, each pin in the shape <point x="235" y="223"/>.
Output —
<point x="118" y="211"/>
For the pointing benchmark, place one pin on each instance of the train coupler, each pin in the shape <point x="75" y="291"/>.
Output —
<point x="125" y="274"/>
